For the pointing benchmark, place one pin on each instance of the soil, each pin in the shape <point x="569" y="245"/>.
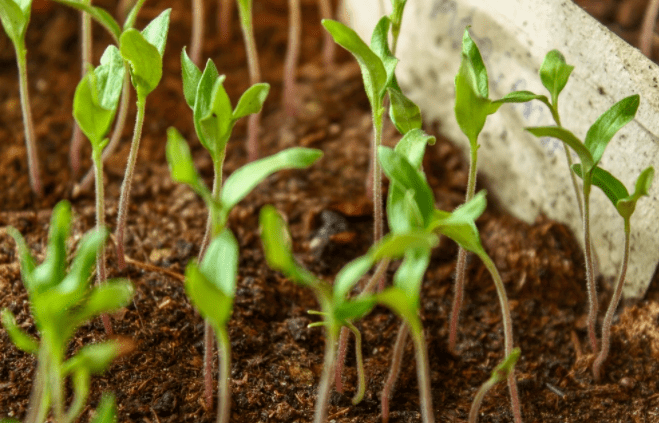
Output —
<point x="276" y="359"/>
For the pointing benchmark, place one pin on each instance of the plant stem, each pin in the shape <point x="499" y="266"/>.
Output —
<point x="224" y="22"/>
<point x="40" y="395"/>
<point x="329" y="46"/>
<point x="124" y="198"/>
<point x="224" y="394"/>
<point x="289" y="100"/>
<point x="100" y="223"/>
<point x="613" y="305"/>
<point x="476" y="405"/>
<point x="460" y="276"/>
<point x="55" y="376"/>
<point x="86" y="56"/>
<point x="568" y="157"/>
<point x="28" y="125"/>
<point x="423" y="376"/>
<point x="116" y="133"/>
<point x="378" y="219"/>
<point x="322" y="400"/>
<point x="245" y="9"/>
<point x="593" y="305"/>
<point x="196" y="43"/>
<point x="647" y="30"/>
<point x="361" y="376"/>
<point x="394" y="370"/>
<point x="507" y="333"/>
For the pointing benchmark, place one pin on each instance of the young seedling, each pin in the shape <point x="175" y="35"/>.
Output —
<point x="253" y="126"/>
<point x="590" y="153"/>
<point x="61" y="302"/>
<point x="336" y="309"/>
<point x="224" y="198"/>
<point x="197" y="37"/>
<point x="416" y="209"/>
<point x="472" y="107"/>
<point x="325" y="9"/>
<point x="15" y="16"/>
<point x="499" y="374"/>
<point x="94" y="106"/>
<point x="143" y="51"/>
<point x="211" y="287"/>
<point x="625" y="204"/>
<point x="396" y="18"/>
<point x="289" y="100"/>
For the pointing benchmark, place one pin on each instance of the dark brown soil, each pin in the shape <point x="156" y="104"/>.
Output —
<point x="276" y="359"/>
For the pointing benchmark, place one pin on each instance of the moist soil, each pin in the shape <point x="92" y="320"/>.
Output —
<point x="276" y="359"/>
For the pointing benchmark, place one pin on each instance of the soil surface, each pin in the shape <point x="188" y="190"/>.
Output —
<point x="276" y="359"/>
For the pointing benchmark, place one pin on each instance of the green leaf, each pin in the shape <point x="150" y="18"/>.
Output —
<point x="203" y="103"/>
<point x="94" y="121"/>
<point x="99" y="15"/>
<point x="213" y="304"/>
<point x="460" y="225"/>
<point x="472" y="105"/>
<point x="373" y="71"/>
<point x="394" y="246"/>
<point x="354" y="309"/>
<point x="132" y="15"/>
<point x="554" y="73"/>
<point x="28" y="263"/>
<point x="191" y="76"/>
<point x="95" y="358"/>
<point x="519" y="97"/>
<point x="609" y="184"/>
<point x="181" y="165"/>
<point x="501" y="372"/>
<point x="216" y="124"/>
<point x="106" y="411"/>
<point x="156" y="31"/>
<point x="413" y="146"/>
<point x="220" y="262"/>
<point x="569" y="139"/>
<point x="277" y="247"/>
<point x="380" y="46"/>
<point x="110" y="76"/>
<point x="404" y="113"/>
<point x="397" y="12"/>
<point x="106" y="298"/>
<point x="610" y="122"/>
<point x="251" y="101"/>
<point x="400" y="171"/>
<point x="349" y="275"/>
<point x="626" y="206"/>
<point x="22" y="340"/>
<point x="242" y="181"/>
<point x="409" y="275"/>
<point x="144" y="59"/>
<point x="15" y="16"/>
<point x="397" y="300"/>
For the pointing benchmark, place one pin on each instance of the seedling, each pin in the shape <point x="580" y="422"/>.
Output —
<point x="625" y="204"/>
<point x="396" y="18"/>
<point x="94" y="107"/>
<point x="416" y="209"/>
<point x="499" y="374"/>
<point x="336" y="309"/>
<point x="472" y="107"/>
<point x="143" y="51"/>
<point x="15" y="16"/>
<point x="325" y="8"/>
<point x="223" y="198"/>
<point x="289" y="101"/>
<point x="590" y="153"/>
<point x="197" y="37"/>
<point x="253" y="126"/>
<point x="61" y="302"/>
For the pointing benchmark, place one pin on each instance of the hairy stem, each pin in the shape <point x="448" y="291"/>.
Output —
<point x="289" y="100"/>
<point x="224" y="387"/>
<point x="329" y="46"/>
<point x="423" y="376"/>
<point x="361" y="376"/>
<point x="593" y="306"/>
<point x="476" y="405"/>
<point x="460" y="276"/>
<point x="119" y="125"/>
<point x="40" y="395"/>
<point x="507" y="333"/>
<point x="197" y="38"/>
<point x="322" y="400"/>
<point x="568" y="158"/>
<point x="613" y="305"/>
<point x="101" y="275"/>
<point x="394" y="370"/>
<point x="124" y="197"/>
<point x="378" y="218"/>
<point x="86" y="54"/>
<point x="28" y="125"/>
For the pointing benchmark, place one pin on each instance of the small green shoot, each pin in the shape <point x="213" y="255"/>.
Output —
<point x="499" y="374"/>
<point x="94" y="106"/>
<point x="625" y="204"/>
<point x="590" y="153"/>
<point x="336" y="309"/>
<point x="253" y="126"/>
<point x="15" y="16"/>
<point x="472" y="107"/>
<point x="61" y="301"/>
<point x="143" y="51"/>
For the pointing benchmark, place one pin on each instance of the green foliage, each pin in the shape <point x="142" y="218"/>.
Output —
<point x="15" y="16"/>
<point x="97" y="96"/>
<point x="61" y="302"/>
<point x="554" y="74"/>
<point x="98" y="14"/>
<point x="106" y="411"/>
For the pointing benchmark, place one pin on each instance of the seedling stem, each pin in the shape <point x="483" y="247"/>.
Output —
<point x="32" y="158"/>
